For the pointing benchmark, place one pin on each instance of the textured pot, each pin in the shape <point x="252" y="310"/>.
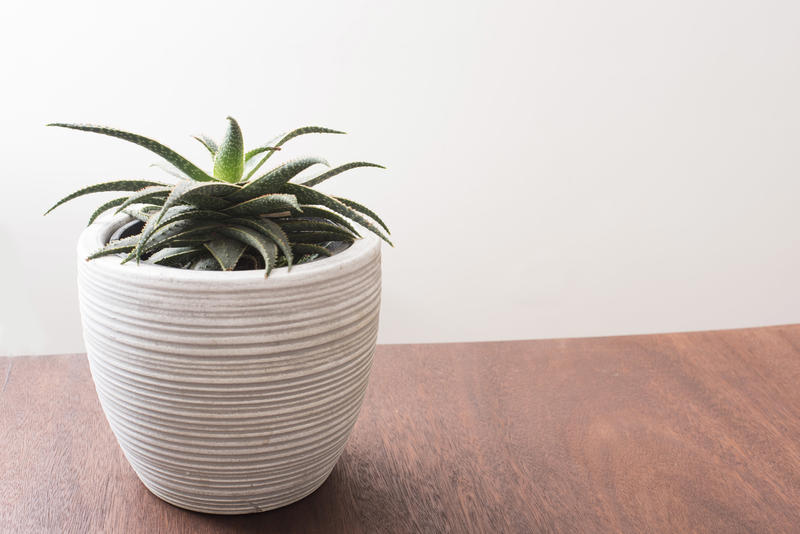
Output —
<point x="229" y="393"/>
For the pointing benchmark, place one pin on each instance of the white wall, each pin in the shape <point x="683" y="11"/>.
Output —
<point x="555" y="168"/>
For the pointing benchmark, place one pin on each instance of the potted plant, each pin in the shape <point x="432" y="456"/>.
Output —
<point x="229" y="393"/>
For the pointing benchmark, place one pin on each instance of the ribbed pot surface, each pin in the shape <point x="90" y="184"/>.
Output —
<point x="229" y="393"/>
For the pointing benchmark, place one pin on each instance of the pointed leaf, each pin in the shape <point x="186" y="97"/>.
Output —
<point x="272" y="181"/>
<point x="118" y="185"/>
<point x="207" y="142"/>
<point x="271" y="230"/>
<point x="115" y="247"/>
<point x="147" y="194"/>
<point x="180" y="213"/>
<point x="306" y="195"/>
<point x="269" y="145"/>
<point x="317" y="237"/>
<point x="139" y="214"/>
<point x="264" y="245"/>
<point x="206" y="202"/>
<point x="229" y="161"/>
<point x="365" y="210"/>
<point x="154" y="146"/>
<point x="255" y="152"/>
<point x="338" y="170"/>
<point x="304" y="225"/>
<point x="324" y="213"/>
<point x="174" y="255"/>
<point x="180" y="189"/>
<point x="171" y="169"/>
<point x="291" y="135"/>
<point x="264" y="204"/>
<point x="105" y="207"/>
<point x="226" y="251"/>
<point x="183" y="233"/>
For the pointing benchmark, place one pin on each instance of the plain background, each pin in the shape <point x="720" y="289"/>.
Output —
<point x="554" y="168"/>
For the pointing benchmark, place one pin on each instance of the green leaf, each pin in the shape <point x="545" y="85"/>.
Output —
<point x="168" y="154"/>
<point x="272" y="181"/>
<point x="291" y="135"/>
<point x="189" y="232"/>
<point x="178" y="191"/>
<point x="264" y="245"/>
<point x="309" y="248"/>
<point x="301" y="225"/>
<point x="171" y="169"/>
<point x="180" y="213"/>
<point x="206" y="202"/>
<point x="105" y="207"/>
<point x="174" y="255"/>
<point x="229" y="161"/>
<point x="271" y="230"/>
<point x="324" y="213"/>
<point x="271" y="203"/>
<point x="306" y="195"/>
<point x="145" y="195"/>
<point x="317" y="237"/>
<point x="143" y="214"/>
<point x="257" y="151"/>
<point x="338" y="170"/>
<point x="207" y="142"/>
<point x="270" y="145"/>
<point x="365" y="210"/>
<point x="226" y="252"/>
<point x="118" y="185"/>
<point x="209" y="196"/>
<point x="115" y="247"/>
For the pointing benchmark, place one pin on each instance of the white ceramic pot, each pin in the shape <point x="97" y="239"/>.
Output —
<point x="229" y="393"/>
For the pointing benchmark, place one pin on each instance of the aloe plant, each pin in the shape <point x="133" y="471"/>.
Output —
<point x="234" y="217"/>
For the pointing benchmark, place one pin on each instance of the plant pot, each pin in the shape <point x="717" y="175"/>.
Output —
<point x="230" y="393"/>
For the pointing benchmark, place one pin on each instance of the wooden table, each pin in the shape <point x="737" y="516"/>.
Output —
<point x="694" y="432"/>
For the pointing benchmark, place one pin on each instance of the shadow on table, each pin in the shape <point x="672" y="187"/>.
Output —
<point x="357" y="496"/>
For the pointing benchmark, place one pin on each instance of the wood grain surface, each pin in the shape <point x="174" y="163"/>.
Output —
<point x="696" y="432"/>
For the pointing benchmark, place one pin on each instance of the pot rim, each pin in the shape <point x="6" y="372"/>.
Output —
<point x="96" y="235"/>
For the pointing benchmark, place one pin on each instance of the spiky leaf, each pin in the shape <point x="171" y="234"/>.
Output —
<point x="105" y="207"/>
<point x="145" y="195"/>
<point x="116" y="247"/>
<point x="324" y="213"/>
<point x="171" y="169"/>
<point x="365" y="210"/>
<point x="338" y="170"/>
<point x="174" y="255"/>
<point x="306" y="195"/>
<point x="264" y="245"/>
<point x="180" y="213"/>
<point x="271" y="230"/>
<point x="264" y="204"/>
<point x="273" y="181"/>
<point x="167" y="153"/>
<point x="229" y="160"/>
<point x="305" y="225"/>
<point x="226" y="252"/>
<point x="191" y="233"/>
<point x="207" y="142"/>
<point x="117" y="185"/>
<point x="317" y="237"/>
<point x="174" y="197"/>
<point x="291" y="135"/>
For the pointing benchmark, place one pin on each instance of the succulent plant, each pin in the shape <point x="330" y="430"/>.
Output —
<point x="233" y="218"/>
